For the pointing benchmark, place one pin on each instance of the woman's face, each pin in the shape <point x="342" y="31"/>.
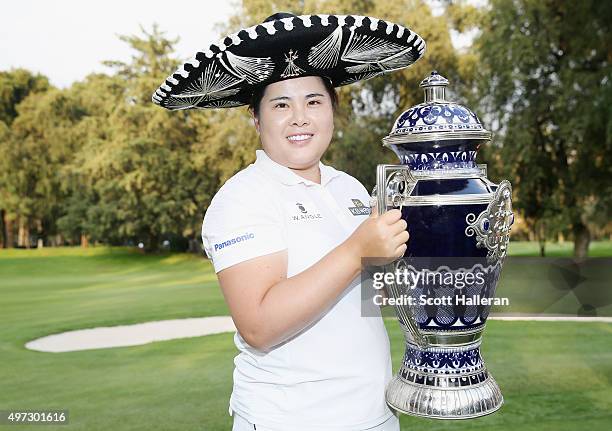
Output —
<point x="296" y="121"/>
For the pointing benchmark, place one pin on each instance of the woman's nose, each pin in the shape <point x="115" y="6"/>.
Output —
<point x="299" y="117"/>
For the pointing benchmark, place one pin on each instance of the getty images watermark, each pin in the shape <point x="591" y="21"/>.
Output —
<point x="432" y="285"/>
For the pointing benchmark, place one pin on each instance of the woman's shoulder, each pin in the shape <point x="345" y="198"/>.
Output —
<point x="245" y="189"/>
<point x="346" y="179"/>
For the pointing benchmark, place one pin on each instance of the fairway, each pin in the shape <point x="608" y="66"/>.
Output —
<point x="554" y="375"/>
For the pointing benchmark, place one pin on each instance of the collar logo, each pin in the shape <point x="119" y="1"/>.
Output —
<point x="302" y="213"/>
<point x="359" y="208"/>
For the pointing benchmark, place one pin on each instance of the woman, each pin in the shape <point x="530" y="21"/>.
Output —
<point x="287" y="251"/>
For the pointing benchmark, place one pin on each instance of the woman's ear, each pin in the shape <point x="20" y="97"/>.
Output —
<point x="255" y="120"/>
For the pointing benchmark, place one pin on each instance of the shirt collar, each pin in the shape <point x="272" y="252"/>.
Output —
<point x="287" y="176"/>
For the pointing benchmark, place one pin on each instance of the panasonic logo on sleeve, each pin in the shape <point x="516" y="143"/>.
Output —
<point x="232" y="241"/>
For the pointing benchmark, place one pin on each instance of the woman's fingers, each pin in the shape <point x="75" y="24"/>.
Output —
<point x="399" y="251"/>
<point x="374" y="210"/>
<point x="401" y="238"/>
<point x="392" y="216"/>
<point x="399" y="226"/>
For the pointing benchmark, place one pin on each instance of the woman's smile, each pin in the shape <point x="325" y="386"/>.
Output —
<point x="300" y="139"/>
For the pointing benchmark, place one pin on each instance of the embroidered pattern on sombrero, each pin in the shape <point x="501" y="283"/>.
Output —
<point x="291" y="69"/>
<point x="224" y="74"/>
<point x="212" y="84"/>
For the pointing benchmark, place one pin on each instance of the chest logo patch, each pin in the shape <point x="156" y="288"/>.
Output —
<point x="359" y="208"/>
<point x="301" y="211"/>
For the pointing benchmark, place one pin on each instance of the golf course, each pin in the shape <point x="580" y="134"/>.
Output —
<point x="553" y="375"/>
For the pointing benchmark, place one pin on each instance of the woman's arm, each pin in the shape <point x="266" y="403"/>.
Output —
<point x="268" y="308"/>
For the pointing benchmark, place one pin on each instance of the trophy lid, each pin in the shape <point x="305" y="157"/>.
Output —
<point x="436" y="119"/>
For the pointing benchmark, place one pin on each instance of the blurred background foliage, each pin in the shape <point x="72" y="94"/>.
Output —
<point x="99" y="163"/>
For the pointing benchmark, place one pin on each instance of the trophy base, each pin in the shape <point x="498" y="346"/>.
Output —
<point x="444" y="403"/>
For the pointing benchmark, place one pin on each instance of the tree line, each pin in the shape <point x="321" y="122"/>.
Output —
<point x="98" y="162"/>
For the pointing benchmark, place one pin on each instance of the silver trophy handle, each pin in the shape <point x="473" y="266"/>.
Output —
<point x="394" y="183"/>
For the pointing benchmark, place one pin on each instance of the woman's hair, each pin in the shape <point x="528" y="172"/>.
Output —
<point x="259" y="92"/>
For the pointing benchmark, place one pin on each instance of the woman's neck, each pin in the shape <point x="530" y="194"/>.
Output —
<point x="312" y="173"/>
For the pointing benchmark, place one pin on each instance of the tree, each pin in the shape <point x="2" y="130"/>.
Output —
<point x="15" y="86"/>
<point x="42" y="140"/>
<point x="549" y="83"/>
<point x="6" y="239"/>
<point x="99" y="96"/>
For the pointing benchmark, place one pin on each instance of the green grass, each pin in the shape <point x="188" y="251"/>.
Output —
<point x="555" y="376"/>
<point x="558" y="249"/>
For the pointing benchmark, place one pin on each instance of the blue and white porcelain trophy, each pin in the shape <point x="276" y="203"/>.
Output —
<point x="459" y="222"/>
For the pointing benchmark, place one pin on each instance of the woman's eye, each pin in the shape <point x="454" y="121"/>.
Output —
<point x="280" y="105"/>
<point x="314" y="102"/>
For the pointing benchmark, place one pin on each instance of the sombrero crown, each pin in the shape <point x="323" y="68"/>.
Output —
<point x="343" y="48"/>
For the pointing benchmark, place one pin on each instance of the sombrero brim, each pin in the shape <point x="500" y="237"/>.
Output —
<point x="344" y="48"/>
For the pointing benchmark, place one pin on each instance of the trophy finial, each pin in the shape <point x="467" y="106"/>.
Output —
<point x="436" y="119"/>
<point x="434" y="86"/>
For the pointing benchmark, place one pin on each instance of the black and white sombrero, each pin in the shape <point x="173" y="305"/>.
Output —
<point x="344" y="48"/>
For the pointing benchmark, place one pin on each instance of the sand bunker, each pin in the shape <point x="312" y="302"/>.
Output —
<point x="132" y="335"/>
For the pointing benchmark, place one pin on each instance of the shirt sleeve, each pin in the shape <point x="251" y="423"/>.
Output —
<point x="241" y="223"/>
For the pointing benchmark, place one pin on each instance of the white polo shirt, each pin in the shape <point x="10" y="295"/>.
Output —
<point x="332" y="375"/>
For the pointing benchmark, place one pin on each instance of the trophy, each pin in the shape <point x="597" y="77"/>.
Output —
<point x="459" y="222"/>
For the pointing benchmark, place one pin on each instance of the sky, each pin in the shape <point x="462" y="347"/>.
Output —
<point x="67" y="39"/>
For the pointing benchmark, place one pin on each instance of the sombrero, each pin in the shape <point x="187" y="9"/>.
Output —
<point x="343" y="48"/>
